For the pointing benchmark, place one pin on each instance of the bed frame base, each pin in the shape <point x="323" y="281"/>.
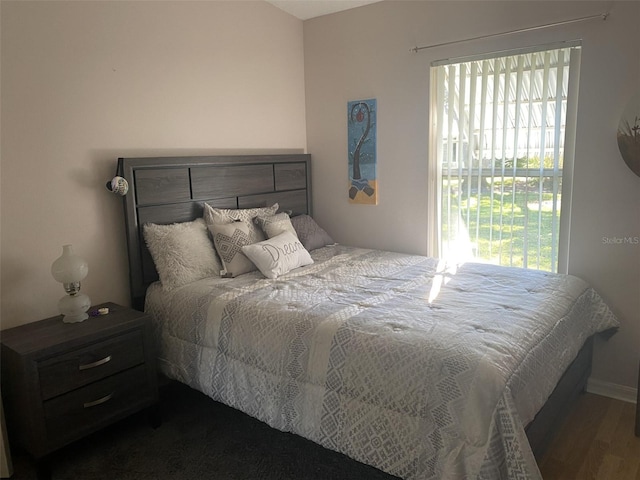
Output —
<point x="573" y="382"/>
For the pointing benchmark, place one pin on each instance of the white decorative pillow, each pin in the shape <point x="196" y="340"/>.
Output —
<point x="273" y="225"/>
<point x="214" y="216"/>
<point x="278" y="255"/>
<point x="229" y="238"/>
<point x="182" y="252"/>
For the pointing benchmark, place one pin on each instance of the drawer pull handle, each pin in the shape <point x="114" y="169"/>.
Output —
<point x="97" y="363"/>
<point x="99" y="401"/>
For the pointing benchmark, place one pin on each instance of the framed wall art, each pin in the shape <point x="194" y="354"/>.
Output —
<point x="361" y="129"/>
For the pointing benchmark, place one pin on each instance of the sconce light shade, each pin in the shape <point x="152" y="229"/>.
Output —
<point x="118" y="185"/>
<point x="70" y="269"/>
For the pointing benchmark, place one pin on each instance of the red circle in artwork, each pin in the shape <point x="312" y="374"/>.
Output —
<point x="359" y="116"/>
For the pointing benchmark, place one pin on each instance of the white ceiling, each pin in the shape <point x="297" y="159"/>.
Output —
<point x="305" y="9"/>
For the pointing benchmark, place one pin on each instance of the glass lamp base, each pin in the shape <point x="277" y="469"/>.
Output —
<point x="74" y="307"/>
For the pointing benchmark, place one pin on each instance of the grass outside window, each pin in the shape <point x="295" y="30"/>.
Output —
<point x="503" y="221"/>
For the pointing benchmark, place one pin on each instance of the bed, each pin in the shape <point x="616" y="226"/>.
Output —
<point x="420" y="368"/>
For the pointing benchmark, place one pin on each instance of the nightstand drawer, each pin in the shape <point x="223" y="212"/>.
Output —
<point x="98" y="404"/>
<point x="77" y="368"/>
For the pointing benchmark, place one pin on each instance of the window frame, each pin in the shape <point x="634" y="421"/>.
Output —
<point x="434" y="171"/>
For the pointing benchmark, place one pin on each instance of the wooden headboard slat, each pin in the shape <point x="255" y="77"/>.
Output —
<point x="164" y="185"/>
<point x="226" y="181"/>
<point x="166" y="190"/>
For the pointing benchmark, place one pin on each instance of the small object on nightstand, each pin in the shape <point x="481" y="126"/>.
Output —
<point x="61" y="384"/>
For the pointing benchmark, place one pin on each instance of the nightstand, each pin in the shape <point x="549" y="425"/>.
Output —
<point x="62" y="381"/>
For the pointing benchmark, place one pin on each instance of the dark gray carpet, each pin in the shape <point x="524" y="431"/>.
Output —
<point x="198" y="439"/>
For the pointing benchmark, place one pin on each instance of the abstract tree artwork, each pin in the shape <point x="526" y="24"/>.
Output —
<point x="361" y="127"/>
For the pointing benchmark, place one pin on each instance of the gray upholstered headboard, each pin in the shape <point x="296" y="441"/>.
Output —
<point x="172" y="189"/>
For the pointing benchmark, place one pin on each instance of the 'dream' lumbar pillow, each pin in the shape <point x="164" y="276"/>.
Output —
<point x="278" y="255"/>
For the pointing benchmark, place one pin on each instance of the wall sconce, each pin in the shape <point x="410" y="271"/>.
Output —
<point x="70" y="269"/>
<point x="118" y="185"/>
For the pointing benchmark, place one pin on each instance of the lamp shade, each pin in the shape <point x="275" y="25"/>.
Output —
<point x="118" y="185"/>
<point x="69" y="267"/>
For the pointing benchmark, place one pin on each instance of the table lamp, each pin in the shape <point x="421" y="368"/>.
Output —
<point x="69" y="269"/>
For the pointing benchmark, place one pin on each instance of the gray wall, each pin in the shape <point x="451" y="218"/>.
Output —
<point x="84" y="83"/>
<point x="364" y="53"/>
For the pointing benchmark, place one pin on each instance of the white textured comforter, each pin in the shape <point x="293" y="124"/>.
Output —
<point x="421" y="370"/>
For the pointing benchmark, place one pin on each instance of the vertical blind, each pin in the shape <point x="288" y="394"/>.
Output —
<point x="499" y="131"/>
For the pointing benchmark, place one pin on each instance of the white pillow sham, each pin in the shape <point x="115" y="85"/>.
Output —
<point x="182" y="252"/>
<point x="229" y="238"/>
<point x="217" y="216"/>
<point x="273" y="225"/>
<point x="278" y="255"/>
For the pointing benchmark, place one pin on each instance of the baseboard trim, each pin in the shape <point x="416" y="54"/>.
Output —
<point x="612" y="390"/>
